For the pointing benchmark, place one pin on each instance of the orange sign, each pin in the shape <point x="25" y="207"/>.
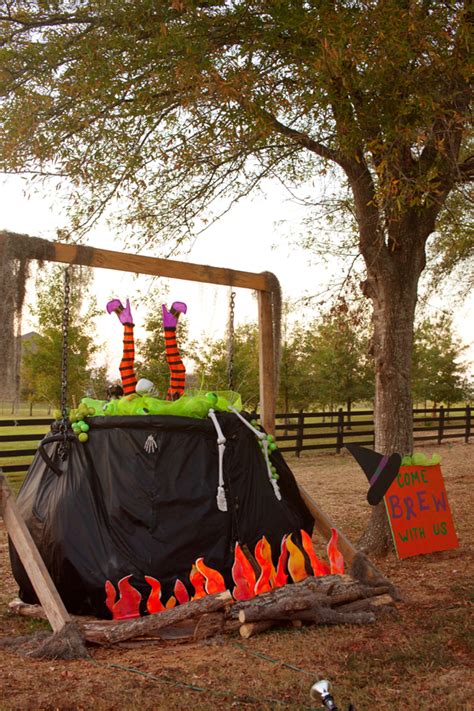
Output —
<point x="419" y="513"/>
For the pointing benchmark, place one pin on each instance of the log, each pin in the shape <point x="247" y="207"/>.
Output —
<point x="278" y="609"/>
<point x="308" y="587"/>
<point x="249" y="629"/>
<point x="92" y="628"/>
<point x="119" y="631"/>
<point x="377" y="605"/>
<point x="210" y="624"/>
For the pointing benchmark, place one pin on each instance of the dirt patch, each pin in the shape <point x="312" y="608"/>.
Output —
<point x="421" y="658"/>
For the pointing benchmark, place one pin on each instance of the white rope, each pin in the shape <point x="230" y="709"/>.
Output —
<point x="264" y="440"/>
<point x="221" y="440"/>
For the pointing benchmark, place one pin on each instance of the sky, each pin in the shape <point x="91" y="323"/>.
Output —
<point x="256" y="235"/>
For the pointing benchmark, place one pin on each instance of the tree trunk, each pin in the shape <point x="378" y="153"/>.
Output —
<point x="392" y="286"/>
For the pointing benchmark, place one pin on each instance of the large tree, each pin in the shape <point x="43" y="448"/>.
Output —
<point x="175" y="103"/>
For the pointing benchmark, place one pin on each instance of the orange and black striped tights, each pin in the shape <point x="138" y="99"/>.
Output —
<point x="173" y="358"/>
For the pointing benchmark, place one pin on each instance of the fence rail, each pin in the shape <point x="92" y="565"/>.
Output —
<point x="302" y="431"/>
<point x="295" y="432"/>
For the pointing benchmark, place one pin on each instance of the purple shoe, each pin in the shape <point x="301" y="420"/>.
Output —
<point x="124" y="313"/>
<point x="114" y="305"/>
<point x="170" y="318"/>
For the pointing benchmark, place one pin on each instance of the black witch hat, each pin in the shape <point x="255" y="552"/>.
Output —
<point x="379" y="469"/>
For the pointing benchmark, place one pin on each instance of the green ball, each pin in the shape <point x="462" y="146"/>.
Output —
<point x="84" y="426"/>
<point x="90" y="411"/>
<point x="272" y="446"/>
<point x="275" y="476"/>
<point x="76" y="427"/>
<point x="435" y="459"/>
<point x="270" y="438"/>
<point x="406" y="461"/>
<point x="83" y="437"/>
<point x="254" y="423"/>
<point x="56" y="414"/>
<point x="212" y="398"/>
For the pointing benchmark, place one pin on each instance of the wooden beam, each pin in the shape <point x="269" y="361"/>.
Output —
<point x="266" y="362"/>
<point x="29" y="555"/>
<point x="36" y="248"/>
<point x="264" y="283"/>
<point x="323" y="524"/>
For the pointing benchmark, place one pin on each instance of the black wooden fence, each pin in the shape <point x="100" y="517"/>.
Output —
<point x="302" y="431"/>
<point x="295" y="432"/>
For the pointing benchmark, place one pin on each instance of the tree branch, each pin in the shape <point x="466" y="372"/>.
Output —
<point x="302" y="139"/>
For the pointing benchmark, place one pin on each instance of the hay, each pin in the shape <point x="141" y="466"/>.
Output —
<point x="65" y="644"/>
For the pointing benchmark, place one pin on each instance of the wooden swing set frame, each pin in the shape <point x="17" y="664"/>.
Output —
<point x="264" y="284"/>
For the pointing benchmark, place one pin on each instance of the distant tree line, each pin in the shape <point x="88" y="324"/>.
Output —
<point x="326" y="360"/>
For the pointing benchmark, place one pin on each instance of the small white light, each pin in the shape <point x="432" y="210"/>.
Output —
<point x="321" y="688"/>
<point x="320" y="691"/>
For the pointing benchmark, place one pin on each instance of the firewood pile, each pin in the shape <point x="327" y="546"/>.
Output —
<point x="326" y="600"/>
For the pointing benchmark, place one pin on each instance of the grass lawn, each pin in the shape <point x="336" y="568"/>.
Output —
<point x="421" y="658"/>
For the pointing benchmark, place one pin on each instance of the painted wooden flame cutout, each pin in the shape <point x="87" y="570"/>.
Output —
<point x="281" y="577"/>
<point x="319" y="566"/>
<point x="154" y="604"/>
<point x="214" y="580"/>
<point x="180" y="592"/>
<point x="296" y="562"/>
<point x="263" y="555"/>
<point x="171" y="603"/>
<point x="197" y="581"/>
<point x="243" y="575"/>
<point x="128" y="604"/>
<point x="336" y="559"/>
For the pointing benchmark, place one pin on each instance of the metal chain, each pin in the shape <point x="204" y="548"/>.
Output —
<point x="230" y="342"/>
<point x="63" y="450"/>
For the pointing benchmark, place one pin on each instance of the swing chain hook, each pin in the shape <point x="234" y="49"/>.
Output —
<point x="230" y="347"/>
<point x="63" y="425"/>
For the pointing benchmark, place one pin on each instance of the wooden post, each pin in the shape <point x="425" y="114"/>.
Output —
<point x="299" y="434"/>
<point x="266" y="362"/>
<point x="29" y="555"/>
<point x="467" y="432"/>
<point x="441" y="424"/>
<point x="340" y="431"/>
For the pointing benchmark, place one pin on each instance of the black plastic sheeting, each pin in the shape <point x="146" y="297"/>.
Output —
<point x="118" y="510"/>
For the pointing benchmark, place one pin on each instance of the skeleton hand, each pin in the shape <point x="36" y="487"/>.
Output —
<point x="150" y="444"/>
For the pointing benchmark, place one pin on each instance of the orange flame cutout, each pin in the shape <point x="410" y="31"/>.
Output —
<point x="180" y="592"/>
<point x="128" y="604"/>
<point x="296" y="563"/>
<point x="281" y="577"/>
<point x="197" y="581"/>
<point x="154" y="604"/>
<point x="334" y="554"/>
<point x="319" y="566"/>
<point x="243" y="575"/>
<point x="214" y="580"/>
<point x="171" y="602"/>
<point x="110" y="596"/>
<point x="263" y="555"/>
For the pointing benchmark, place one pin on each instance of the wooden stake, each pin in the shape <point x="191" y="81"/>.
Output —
<point x="29" y="555"/>
<point x="266" y="362"/>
